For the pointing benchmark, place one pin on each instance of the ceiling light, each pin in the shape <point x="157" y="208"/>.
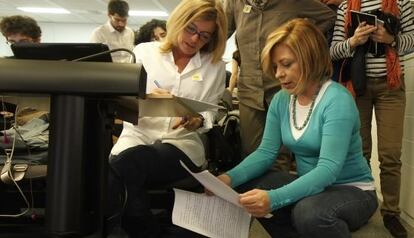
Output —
<point x="148" y="13"/>
<point x="44" y="10"/>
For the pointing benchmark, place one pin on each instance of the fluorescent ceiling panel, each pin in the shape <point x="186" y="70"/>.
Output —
<point x="148" y="13"/>
<point x="44" y="10"/>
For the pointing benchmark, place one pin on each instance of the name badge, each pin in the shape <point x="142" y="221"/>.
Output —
<point x="197" y="77"/>
<point x="247" y="8"/>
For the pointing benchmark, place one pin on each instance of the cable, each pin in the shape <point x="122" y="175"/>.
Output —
<point x="5" y="115"/>
<point x="107" y="52"/>
<point x="7" y="173"/>
<point x="125" y="198"/>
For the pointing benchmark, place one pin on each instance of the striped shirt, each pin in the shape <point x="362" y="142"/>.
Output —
<point x="375" y="66"/>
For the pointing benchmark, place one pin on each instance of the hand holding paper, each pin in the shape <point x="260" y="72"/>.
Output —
<point x="216" y="186"/>
<point x="221" y="188"/>
<point x="256" y="202"/>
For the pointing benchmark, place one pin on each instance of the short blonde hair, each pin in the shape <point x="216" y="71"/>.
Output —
<point x="309" y="46"/>
<point x="191" y="10"/>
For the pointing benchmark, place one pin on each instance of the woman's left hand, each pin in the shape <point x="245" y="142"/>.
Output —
<point x="256" y="202"/>
<point x="189" y="123"/>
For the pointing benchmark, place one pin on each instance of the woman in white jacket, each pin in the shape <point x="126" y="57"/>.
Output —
<point x="187" y="64"/>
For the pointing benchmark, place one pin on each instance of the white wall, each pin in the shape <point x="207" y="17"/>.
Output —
<point x="407" y="183"/>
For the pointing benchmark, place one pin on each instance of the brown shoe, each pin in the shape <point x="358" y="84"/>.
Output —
<point x="394" y="226"/>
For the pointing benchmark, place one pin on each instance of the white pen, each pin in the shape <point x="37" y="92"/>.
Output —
<point x="157" y="84"/>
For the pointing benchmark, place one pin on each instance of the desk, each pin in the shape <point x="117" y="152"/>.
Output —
<point x="80" y="133"/>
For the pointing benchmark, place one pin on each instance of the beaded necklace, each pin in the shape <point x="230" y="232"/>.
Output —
<point x="295" y="124"/>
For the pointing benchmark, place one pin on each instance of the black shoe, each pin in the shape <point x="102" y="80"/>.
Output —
<point x="394" y="226"/>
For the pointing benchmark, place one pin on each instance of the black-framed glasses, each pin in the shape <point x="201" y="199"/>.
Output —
<point x="204" y="36"/>
<point x="11" y="42"/>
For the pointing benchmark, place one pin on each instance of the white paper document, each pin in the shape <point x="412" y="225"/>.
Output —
<point x="166" y="105"/>
<point x="211" y="216"/>
<point x="215" y="185"/>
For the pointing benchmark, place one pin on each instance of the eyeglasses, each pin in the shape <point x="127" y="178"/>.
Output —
<point x="204" y="36"/>
<point x="11" y="42"/>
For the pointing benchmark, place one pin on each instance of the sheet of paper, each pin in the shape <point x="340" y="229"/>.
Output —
<point x="215" y="185"/>
<point x="209" y="215"/>
<point x="166" y="105"/>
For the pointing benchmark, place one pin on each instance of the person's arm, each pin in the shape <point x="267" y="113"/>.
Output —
<point x="217" y="91"/>
<point x="234" y="75"/>
<point x="319" y="13"/>
<point x="263" y="157"/>
<point x="340" y="46"/>
<point x="229" y="11"/>
<point x="405" y="40"/>
<point x="332" y="2"/>
<point x="339" y="122"/>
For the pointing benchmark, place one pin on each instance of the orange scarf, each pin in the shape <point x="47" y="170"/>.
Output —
<point x="393" y="61"/>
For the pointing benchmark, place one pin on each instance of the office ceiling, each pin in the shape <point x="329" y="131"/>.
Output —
<point x="84" y="11"/>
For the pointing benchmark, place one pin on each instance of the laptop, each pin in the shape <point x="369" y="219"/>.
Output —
<point x="61" y="51"/>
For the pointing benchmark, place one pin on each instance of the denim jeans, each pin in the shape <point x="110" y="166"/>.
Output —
<point x="335" y="212"/>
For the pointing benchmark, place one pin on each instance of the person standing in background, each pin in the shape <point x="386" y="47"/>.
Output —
<point x="253" y="20"/>
<point x="115" y="33"/>
<point x="188" y="63"/>
<point x="18" y="29"/>
<point x="154" y="30"/>
<point x="377" y="81"/>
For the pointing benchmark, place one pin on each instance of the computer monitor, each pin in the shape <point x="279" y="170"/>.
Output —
<point x="61" y="51"/>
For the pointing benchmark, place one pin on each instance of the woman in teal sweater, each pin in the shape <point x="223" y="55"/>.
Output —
<point x="317" y="119"/>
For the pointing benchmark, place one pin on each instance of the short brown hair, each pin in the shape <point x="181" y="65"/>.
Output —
<point x="18" y="24"/>
<point x="310" y="47"/>
<point x="119" y="7"/>
<point x="190" y="10"/>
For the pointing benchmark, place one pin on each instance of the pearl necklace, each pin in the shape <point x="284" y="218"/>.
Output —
<point x="295" y="124"/>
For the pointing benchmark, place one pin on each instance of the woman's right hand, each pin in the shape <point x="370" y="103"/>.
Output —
<point x="224" y="178"/>
<point x="361" y="34"/>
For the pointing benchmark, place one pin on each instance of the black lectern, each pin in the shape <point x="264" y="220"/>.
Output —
<point x="82" y="112"/>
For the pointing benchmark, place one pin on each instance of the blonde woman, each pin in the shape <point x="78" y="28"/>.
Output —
<point x="318" y="121"/>
<point x="188" y="64"/>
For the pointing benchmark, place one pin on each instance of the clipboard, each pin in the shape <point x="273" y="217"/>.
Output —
<point x="167" y="105"/>
<point x="358" y="17"/>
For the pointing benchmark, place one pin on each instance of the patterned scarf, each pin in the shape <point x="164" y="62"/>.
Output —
<point x="393" y="61"/>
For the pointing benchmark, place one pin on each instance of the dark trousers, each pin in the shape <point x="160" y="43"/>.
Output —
<point x="135" y="171"/>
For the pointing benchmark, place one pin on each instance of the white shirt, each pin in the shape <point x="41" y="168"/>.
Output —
<point x="200" y="80"/>
<point x="302" y="111"/>
<point x="114" y="39"/>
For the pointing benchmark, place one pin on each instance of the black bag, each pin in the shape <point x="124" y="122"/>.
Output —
<point x="225" y="143"/>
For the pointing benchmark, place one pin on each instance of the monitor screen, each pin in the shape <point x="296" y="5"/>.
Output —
<point x="61" y="51"/>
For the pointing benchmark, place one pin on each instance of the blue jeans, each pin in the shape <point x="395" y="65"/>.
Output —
<point x="335" y="212"/>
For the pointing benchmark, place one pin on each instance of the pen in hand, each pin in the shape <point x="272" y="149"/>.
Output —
<point x="157" y="84"/>
<point x="159" y="89"/>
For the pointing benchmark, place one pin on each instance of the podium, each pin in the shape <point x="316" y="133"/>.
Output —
<point x="85" y="97"/>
